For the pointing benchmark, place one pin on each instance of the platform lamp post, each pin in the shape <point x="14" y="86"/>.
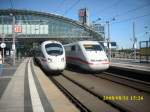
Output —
<point x="147" y="32"/>
<point x="14" y="39"/>
<point x="108" y="40"/>
<point x="134" y="41"/>
<point x="3" y="45"/>
<point x="108" y="31"/>
<point x="109" y="37"/>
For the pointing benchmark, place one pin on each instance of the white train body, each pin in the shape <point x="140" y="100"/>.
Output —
<point x="51" y="56"/>
<point x="88" y="55"/>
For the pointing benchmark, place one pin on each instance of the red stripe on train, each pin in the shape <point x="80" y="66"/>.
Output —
<point x="83" y="61"/>
<point x="78" y="59"/>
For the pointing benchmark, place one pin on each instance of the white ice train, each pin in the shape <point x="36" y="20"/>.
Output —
<point x="88" y="55"/>
<point x="51" y="56"/>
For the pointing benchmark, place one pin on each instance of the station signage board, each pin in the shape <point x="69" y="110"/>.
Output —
<point x="83" y="15"/>
<point x="18" y="29"/>
<point x="82" y="12"/>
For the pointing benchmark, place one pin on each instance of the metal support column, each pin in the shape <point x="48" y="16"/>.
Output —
<point x="3" y="57"/>
<point x="14" y="41"/>
<point x="109" y="44"/>
<point x="134" y="41"/>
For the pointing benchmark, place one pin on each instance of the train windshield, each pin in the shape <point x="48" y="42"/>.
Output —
<point x="54" y="49"/>
<point x="90" y="47"/>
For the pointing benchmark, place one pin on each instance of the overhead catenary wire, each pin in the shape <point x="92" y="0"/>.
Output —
<point x="73" y="5"/>
<point x="133" y="18"/>
<point x="60" y="5"/>
<point x="129" y="11"/>
<point x="132" y="10"/>
<point x="11" y="4"/>
<point x="110" y="6"/>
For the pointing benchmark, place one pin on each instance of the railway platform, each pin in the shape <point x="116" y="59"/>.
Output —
<point x="131" y="65"/>
<point x="27" y="89"/>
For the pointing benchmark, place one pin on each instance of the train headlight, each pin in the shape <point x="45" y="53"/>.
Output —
<point x="50" y="60"/>
<point x="62" y="59"/>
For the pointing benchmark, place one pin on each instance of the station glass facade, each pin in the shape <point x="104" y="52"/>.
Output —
<point x="29" y="24"/>
<point x="32" y="27"/>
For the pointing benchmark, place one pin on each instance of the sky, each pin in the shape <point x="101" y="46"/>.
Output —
<point x="125" y="13"/>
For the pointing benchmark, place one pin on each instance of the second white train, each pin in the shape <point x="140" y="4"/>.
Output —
<point x="88" y="55"/>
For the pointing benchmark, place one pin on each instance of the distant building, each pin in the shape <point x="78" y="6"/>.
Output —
<point x="99" y="29"/>
<point x="84" y="16"/>
<point x="144" y="50"/>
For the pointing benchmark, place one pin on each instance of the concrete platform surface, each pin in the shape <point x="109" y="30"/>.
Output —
<point x="28" y="89"/>
<point x="131" y="64"/>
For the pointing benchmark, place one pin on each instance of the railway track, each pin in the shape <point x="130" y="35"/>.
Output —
<point x="70" y="96"/>
<point x="97" y="101"/>
<point x="138" y="85"/>
<point x="89" y="83"/>
<point x="131" y="73"/>
<point x="82" y="90"/>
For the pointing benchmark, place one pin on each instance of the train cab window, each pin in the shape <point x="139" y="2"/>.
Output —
<point x="54" y="49"/>
<point x="90" y="47"/>
<point x="73" y="48"/>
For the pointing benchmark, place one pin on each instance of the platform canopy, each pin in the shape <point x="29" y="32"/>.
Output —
<point x="41" y="25"/>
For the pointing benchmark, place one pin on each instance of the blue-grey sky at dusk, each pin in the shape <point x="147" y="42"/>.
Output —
<point x="125" y="12"/>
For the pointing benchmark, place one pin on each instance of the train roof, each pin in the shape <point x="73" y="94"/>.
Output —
<point x="82" y="42"/>
<point x="50" y="41"/>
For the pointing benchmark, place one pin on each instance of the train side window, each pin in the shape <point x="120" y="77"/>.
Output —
<point x="73" y="48"/>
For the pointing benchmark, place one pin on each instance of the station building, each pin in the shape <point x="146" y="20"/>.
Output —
<point x="32" y="27"/>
